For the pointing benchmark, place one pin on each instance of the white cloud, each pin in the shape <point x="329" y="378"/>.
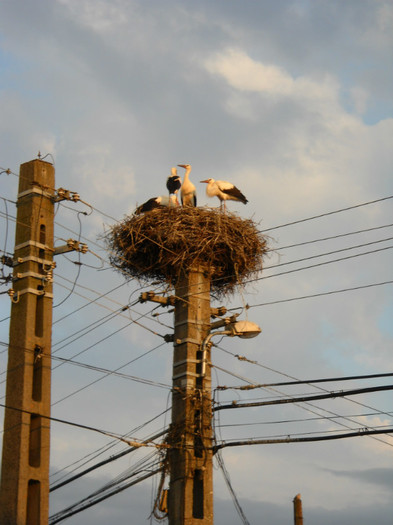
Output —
<point x="243" y="73"/>
<point x="248" y="75"/>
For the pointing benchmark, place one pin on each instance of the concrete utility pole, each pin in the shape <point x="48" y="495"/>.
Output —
<point x="190" y="500"/>
<point x="24" y="493"/>
<point x="297" y="510"/>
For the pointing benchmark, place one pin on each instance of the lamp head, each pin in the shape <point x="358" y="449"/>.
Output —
<point x="244" y="329"/>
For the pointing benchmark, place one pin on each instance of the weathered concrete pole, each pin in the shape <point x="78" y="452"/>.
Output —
<point x="297" y="510"/>
<point x="190" y="500"/>
<point x="24" y="492"/>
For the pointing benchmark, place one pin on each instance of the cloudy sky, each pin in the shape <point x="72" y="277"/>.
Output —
<point x="291" y="101"/>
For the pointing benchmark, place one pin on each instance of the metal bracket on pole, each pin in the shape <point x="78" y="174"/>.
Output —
<point x="218" y="312"/>
<point x="224" y="322"/>
<point x="150" y="296"/>
<point x="16" y="295"/>
<point x="71" y="245"/>
<point x="186" y="340"/>
<point x="31" y="258"/>
<point x="42" y="277"/>
<point x="62" y="195"/>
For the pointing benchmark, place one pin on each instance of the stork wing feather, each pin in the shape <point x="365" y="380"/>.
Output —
<point x="223" y="185"/>
<point x="231" y="190"/>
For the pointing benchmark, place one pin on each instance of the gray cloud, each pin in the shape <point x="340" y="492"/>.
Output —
<point x="119" y="92"/>
<point x="375" y="476"/>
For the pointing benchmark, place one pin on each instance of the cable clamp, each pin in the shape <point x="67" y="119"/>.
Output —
<point x="46" y="263"/>
<point x="15" y="296"/>
<point x="40" y="276"/>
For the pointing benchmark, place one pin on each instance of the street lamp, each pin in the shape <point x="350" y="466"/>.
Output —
<point x="242" y="329"/>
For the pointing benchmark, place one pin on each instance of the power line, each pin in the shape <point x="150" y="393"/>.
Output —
<point x="227" y="479"/>
<point x="321" y="294"/>
<point x="100" y="296"/>
<point x="325" y="214"/>
<point x="327" y="253"/>
<point x="106" y="461"/>
<point x="56" y="518"/>
<point x="332" y="237"/>
<point x="306" y="381"/>
<point x="108" y="336"/>
<point x="78" y="425"/>
<point x="101" y="370"/>
<point x="93" y="455"/>
<point x="319" y="264"/>
<point x="359" y="433"/>
<point x="314" y="409"/>
<point x="331" y="395"/>
<point x="301" y="420"/>
<point x="113" y="372"/>
<point x="303" y="433"/>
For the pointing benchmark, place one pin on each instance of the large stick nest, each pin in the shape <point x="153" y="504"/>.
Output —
<point x="164" y="243"/>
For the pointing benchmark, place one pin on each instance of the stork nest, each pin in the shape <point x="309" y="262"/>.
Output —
<point x="164" y="243"/>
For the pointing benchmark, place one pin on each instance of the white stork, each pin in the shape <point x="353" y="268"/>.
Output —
<point x="224" y="190"/>
<point x="163" y="201"/>
<point x="173" y="183"/>
<point x="188" y="190"/>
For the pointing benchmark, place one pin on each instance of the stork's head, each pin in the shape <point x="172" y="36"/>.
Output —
<point x="207" y="181"/>
<point x="185" y="166"/>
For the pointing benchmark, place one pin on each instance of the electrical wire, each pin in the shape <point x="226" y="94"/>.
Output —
<point x="321" y="294"/>
<point x="332" y="237"/>
<point x="101" y="370"/>
<point x="307" y="381"/>
<point x="101" y="450"/>
<point x="239" y="510"/>
<point x="359" y="433"/>
<point x="326" y="214"/>
<point x="77" y="273"/>
<point x="327" y="253"/>
<point x="114" y="372"/>
<point x="85" y="504"/>
<point x="310" y="407"/>
<point x="105" y="462"/>
<point x="299" y="420"/>
<point x="108" y="336"/>
<point x="331" y="395"/>
<point x="77" y="425"/>
<point x="319" y="264"/>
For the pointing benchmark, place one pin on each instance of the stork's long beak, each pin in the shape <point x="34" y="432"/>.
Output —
<point x="203" y="181"/>
<point x="182" y="165"/>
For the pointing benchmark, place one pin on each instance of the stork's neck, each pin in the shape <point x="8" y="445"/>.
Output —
<point x="187" y="173"/>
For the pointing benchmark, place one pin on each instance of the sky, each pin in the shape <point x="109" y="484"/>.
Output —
<point x="292" y="102"/>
